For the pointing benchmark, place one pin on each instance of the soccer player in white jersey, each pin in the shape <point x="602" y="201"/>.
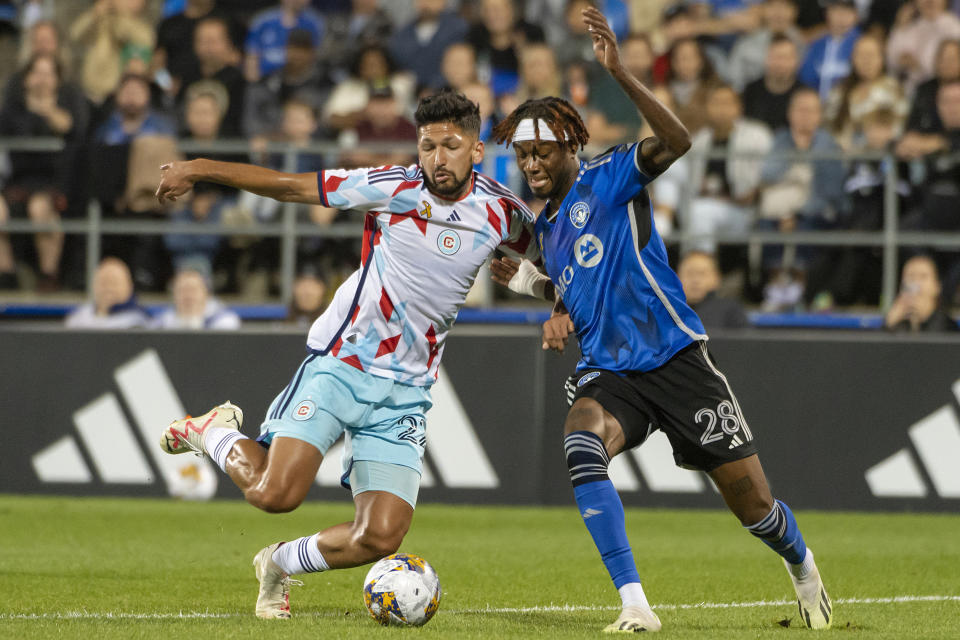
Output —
<point x="375" y="352"/>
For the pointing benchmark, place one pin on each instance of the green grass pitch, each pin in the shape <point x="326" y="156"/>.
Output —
<point x="114" y="568"/>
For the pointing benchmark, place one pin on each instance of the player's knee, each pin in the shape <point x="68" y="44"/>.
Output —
<point x="377" y="541"/>
<point x="272" y="500"/>
<point x="584" y="416"/>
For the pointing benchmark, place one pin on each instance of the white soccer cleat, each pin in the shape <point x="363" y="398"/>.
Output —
<point x="816" y="610"/>
<point x="186" y="435"/>
<point x="634" y="620"/>
<point x="273" y="601"/>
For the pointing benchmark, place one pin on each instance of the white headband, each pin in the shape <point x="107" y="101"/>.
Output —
<point x="528" y="129"/>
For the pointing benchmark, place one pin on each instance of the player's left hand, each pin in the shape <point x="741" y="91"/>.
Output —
<point x="503" y="269"/>
<point x="604" y="41"/>
<point x="556" y="332"/>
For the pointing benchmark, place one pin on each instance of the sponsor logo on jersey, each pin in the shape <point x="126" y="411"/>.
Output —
<point x="935" y="450"/>
<point x="587" y="378"/>
<point x="453" y="217"/>
<point x="579" y="214"/>
<point x="448" y="242"/>
<point x="304" y="410"/>
<point x="588" y="250"/>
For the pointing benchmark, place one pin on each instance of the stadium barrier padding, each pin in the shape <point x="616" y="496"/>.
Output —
<point x="847" y="420"/>
<point x="507" y="316"/>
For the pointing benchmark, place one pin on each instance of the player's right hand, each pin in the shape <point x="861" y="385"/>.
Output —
<point x="175" y="180"/>
<point x="556" y="332"/>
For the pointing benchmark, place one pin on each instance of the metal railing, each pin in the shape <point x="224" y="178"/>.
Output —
<point x="289" y="230"/>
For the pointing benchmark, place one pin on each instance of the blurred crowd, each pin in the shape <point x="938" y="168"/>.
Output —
<point x="796" y="109"/>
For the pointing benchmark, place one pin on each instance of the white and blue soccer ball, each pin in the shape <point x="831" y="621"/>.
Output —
<point x="402" y="589"/>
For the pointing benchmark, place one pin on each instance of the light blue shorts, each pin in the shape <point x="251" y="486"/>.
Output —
<point x="381" y="420"/>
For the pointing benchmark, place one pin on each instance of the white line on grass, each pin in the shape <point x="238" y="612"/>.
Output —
<point x="121" y="615"/>
<point x="711" y="605"/>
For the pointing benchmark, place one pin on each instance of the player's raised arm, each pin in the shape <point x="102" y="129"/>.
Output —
<point x="176" y="178"/>
<point x="671" y="138"/>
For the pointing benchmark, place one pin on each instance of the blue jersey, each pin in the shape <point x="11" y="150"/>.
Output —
<point x="608" y="263"/>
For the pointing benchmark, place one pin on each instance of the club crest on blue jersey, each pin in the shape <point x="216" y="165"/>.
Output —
<point x="588" y="250"/>
<point x="448" y="242"/>
<point x="304" y="410"/>
<point x="579" y="214"/>
<point x="587" y="378"/>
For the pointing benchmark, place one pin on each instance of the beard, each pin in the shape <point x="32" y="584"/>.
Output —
<point x="452" y="188"/>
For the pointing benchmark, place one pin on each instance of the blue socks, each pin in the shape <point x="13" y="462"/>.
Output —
<point x="600" y="504"/>
<point x="780" y="532"/>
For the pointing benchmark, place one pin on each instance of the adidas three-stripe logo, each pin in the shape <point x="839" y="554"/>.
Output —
<point x="936" y="449"/>
<point x="111" y="443"/>
<point x="453" y="217"/>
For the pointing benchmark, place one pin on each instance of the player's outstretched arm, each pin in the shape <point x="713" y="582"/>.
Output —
<point x="176" y="178"/>
<point x="671" y="139"/>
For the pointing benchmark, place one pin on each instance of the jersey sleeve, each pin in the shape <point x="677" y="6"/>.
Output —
<point x="390" y="188"/>
<point x="519" y="239"/>
<point x="620" y="175"/>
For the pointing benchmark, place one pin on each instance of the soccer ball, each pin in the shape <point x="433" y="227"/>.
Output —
<point x="402" y="589"/>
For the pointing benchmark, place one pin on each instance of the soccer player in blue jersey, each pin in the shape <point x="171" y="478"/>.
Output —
<point x="645" y="363"/>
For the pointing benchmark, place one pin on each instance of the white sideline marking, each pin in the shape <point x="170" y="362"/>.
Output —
<point x="120" y="615"/>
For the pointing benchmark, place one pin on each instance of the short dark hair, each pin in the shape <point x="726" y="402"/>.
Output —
<point x="449" y="106"/>
<point x="782" y="38"/>
<point x="375" y="49"/>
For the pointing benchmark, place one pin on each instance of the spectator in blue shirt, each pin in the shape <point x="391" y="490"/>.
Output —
<point x="133" y="115"/>
<point x="828" y="60"/>
<point x="266" y="47"/>
<point x="419" y="46"/>
<point x="114" y="303"/>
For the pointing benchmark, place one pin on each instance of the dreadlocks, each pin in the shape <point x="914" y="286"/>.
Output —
<point x="556" y="113"/>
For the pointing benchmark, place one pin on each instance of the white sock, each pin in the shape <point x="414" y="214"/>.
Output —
<point x="632" y="595"/>
<point x="802" y="570"/>
<point x="300" y="556"/>
<point x="218" y="441"/>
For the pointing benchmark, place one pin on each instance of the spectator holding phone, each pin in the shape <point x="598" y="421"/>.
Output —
<point x="918" y="306"/>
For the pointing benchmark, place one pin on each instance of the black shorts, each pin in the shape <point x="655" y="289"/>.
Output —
<point x="687" y="398"/>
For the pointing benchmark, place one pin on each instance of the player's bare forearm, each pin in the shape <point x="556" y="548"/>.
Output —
<point x="550" y="292"/>
<point x="179" y="177"/>
<point x="671" y="138"/>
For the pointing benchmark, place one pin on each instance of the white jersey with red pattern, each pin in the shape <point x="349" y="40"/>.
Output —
<point x="421" y="254"/>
